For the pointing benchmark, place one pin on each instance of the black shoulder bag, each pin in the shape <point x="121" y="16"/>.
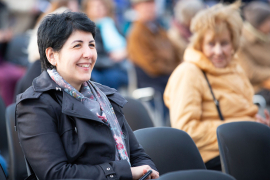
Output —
<point x="214" y="98"/>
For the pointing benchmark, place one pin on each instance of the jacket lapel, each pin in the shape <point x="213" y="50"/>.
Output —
<point x="73" y="107"/>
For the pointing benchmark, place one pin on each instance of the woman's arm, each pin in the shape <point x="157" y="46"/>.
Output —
<point x="41" y="143"/>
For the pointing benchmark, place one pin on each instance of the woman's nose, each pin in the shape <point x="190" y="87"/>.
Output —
<point x="87" y="53"/>
<point x="217" y="49"/>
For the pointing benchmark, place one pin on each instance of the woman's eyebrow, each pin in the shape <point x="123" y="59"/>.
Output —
<point x="77" y="41"/>
<point x="80" y="41"/>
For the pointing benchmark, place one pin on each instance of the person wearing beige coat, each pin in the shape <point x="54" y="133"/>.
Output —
<point x="191" y="104"/>
<point x="216" y="33"/>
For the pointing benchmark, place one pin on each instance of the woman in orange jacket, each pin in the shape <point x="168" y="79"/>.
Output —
<point x="216" y="33"/>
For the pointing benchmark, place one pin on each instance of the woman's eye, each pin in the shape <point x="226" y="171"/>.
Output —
<point x="224" y="43"/>
<point x="92" y="45"/>
<point x="77" y="45"/>
<point x="211" y="44"/>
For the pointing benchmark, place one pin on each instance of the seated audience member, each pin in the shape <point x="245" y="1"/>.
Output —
<point x="179" y="33"/>
<point x="9" y="72"/>
<point x="149" y="48"/>
<point x="216" y="33"/>
<point x="70" y="127"/>
<point x="110" y="69"/>
<point x="254" y="50"/>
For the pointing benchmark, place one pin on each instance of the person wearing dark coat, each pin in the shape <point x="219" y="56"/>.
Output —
<point x="68" y="126"/>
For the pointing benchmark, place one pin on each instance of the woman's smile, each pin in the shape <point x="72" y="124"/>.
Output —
<point x="84" y="66"/>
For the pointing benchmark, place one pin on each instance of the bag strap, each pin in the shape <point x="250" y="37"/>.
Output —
<point x="214" y="98"/>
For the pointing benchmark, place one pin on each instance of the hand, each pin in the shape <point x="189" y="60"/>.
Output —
<point x="138" y="172"/>
<point x="265" y="120"/>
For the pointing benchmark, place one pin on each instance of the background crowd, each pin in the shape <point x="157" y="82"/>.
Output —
<point x="155" y="41"/>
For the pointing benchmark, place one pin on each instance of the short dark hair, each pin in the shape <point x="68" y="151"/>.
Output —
<point x="55" y="29"/>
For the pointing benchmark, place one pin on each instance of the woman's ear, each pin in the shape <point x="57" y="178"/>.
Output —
<point x="51" y="56"/>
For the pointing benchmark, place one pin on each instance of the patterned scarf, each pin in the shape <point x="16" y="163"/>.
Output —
<point x="96" y="101"/>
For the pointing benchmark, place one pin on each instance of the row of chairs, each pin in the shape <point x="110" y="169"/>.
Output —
<point x="244" y="149"/>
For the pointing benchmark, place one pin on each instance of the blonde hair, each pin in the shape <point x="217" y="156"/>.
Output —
<point x="185" y="10"/>
<point x="108" y="4"/>
<point x="217" y="18"/>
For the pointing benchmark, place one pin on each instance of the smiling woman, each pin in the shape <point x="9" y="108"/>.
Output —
<point x="216" y="34"/>
<point x="68" y="126"/>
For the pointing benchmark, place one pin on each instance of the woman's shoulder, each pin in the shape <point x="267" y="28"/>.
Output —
<point x="187" y="68"/>
<point x="30" y="96"/>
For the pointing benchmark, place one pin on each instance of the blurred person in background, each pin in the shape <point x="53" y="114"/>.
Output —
<point x="23" y="14"/>
<point x="254" y="51"/>
<point x="216" y="35"/>
<point x="34" y="70"/>
<point x="149" y="48"/>
<point x="179" y="33"/>
<point x="110" y="68"/>
<point x="9" y="73"/>
<point x="72" y="5"/>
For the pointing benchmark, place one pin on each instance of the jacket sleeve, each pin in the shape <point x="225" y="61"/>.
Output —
<point x="41" y="143"/>
<point x="183" y="96"/>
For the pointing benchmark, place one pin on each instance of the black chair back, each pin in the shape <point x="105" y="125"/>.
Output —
<point x="136" y="114"/>
<point x="245" y="150"/>
<point x="196" y="175"/>
<point x="17" y="167"/>
<point x="170" y="149"/>
<point x="3" y="131"/>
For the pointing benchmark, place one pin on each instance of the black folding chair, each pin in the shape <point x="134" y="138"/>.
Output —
<point x="3" y="131"/>
<point x="245" y="150"/>
<point x="17" y="167"/>
<point x="136" y="114"/>
<point x="170" y="149"/>
<point x="196" y="175"/>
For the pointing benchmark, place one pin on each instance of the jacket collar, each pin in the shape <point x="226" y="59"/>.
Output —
<point x="44" y="83"/>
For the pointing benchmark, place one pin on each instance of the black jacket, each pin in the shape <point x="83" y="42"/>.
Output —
<point x="62" y="139"/>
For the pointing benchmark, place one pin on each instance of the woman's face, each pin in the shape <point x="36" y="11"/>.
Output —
<point x="218" y="49"/>
<point x="96" y="10"/>
<point x="76" y="59"/>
